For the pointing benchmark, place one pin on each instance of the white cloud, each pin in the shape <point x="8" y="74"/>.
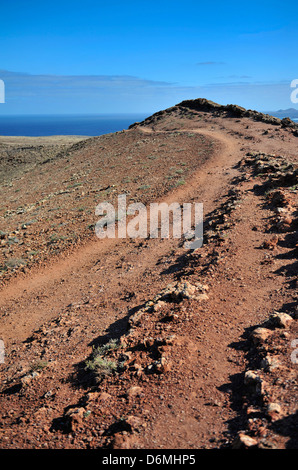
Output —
<point x="50" y="94"/>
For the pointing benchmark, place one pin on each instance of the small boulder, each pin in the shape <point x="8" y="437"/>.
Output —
<point x="280" y="320"/>
<point x="274" y="411"/>
<point x="260" y="335"/>
<point x="121" y="441"/>
<point x="255" y="384"/>
<point x="244" y="441"/>
<point x="270" y="363"/>
<point x="134" y="391"/>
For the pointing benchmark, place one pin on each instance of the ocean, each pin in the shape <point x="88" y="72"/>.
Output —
<point x="86" y="125"/>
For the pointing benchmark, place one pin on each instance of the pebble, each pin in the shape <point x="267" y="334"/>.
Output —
<point x="244" y="441"/>
<point x="134" y="391"/>
<point x="260" y="335"/>
<point x="270" y="363"/>
<point x="274" y="411"/>
<point x="281" y="320"/>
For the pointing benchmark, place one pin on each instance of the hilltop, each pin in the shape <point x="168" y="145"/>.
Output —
<point x="141" y="343"/>
<point x="217" y="110"/>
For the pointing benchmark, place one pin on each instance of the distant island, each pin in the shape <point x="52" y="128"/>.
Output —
<point x="292" y="113"/>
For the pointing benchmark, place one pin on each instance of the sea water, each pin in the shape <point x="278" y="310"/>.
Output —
<point x="46" y="125"/>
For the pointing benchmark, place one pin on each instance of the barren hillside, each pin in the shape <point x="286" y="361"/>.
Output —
<point x="141" y="343"/>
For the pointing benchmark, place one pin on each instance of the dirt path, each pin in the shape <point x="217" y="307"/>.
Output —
<point x="44" y="292"/>
<point x="93" y="288"/>
<point x="203" y="409"/>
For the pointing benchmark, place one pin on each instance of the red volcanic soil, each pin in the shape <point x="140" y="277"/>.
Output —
<point x="142" y="343"/>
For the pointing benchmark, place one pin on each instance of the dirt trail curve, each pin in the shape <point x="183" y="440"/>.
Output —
<point x="41" y="294"/>
<point x="105" y="279"/>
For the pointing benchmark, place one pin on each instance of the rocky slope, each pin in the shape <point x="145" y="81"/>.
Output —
<point x="141" y="343"/>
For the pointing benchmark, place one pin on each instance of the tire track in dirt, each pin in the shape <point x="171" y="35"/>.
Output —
<point x="240" y="295"/>
<point x="38" y="296"/>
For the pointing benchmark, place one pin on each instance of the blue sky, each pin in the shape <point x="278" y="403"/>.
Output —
<point x="139" y="56"/>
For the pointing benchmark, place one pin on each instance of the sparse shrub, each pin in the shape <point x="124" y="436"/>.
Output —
<point x="56" y="238"/>
<point x="40" y="365"/>
<point x="126" y="180"/>
<point x="110" y="346"/>
<point x="15" y="263"/>
<point x="75" y="185"/>
<point x="33" y="252"/>
<point x="100" y="365"/>
<point x="13" y="240"/>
